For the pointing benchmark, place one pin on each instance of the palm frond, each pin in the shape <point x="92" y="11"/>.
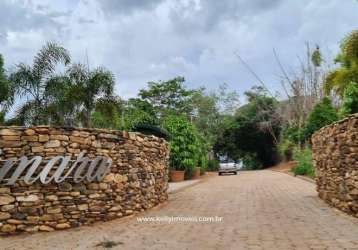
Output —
<point x="48" y="57"/>
<point x="26" y="113"/>
<point x="102" y="81"/>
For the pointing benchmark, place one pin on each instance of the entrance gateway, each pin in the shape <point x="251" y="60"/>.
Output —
<point x="57" y="169"/>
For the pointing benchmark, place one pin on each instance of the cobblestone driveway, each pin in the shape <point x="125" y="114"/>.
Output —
<point x="260" y="210"/>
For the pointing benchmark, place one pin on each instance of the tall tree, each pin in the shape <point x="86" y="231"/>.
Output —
<point x="31" y="83"/>
<point x="5" y="92"/>
<point x="86" y="87"/>
<point x="168" y="97"/>
<point x="4" y="84"/>
<point x="254" y="131"/>
<point x="107" y="113"/>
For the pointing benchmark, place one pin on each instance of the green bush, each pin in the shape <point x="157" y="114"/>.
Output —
<point x="184" y="144"/>
<point x="350" y="100"/>
<point x="213" y="165"/>
<point x="251" y="162"/>
<point x="304" y="162"/>
<point x="294" y="134"/>
<point x="285" y="150"/>
<point x="203" y="163"/>
<point x="322" y="114"/>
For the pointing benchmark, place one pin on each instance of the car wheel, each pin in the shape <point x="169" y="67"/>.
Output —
<point x="219" y="173"/>
<point x="235" y="173"/>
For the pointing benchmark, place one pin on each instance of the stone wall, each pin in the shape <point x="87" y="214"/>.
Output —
<point x="138" y="178"/>
<point x="335" y="156"/>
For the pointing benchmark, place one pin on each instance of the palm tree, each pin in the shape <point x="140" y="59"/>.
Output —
<point x="4" y="85"/>
<point x="34" y="82"/>
<point x="340" y="78"/>
<point x="87" y="87"/>
<point x="5" y="95"/>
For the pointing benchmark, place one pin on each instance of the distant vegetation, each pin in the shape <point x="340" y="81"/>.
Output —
<point x="202" y="124"/>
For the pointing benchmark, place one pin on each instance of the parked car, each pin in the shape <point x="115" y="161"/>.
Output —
<point x="228" y="167"/>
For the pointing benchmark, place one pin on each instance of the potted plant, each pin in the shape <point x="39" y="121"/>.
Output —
<point x="177" y="175"/>
<point x="183" y="146"/>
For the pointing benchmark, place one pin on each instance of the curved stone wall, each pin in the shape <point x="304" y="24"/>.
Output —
<point x="335" y="156"/>
<point x="136" y="180"/>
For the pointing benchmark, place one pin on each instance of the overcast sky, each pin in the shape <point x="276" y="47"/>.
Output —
<point x="148" y="40"/>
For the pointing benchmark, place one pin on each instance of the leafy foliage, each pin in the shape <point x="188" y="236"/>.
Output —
<point x="33" y="83"/>
<point x="89" y="87"/>
<point x="107" y="113"/>
<point x="184" y="144"/>
<point x="4" y="91"/>
<point x="254" y="131"/>
<point x="316" y="57"/>
<point x="168" y="97"/>
<point x="213" y="165"/>
<point x="285" y="148"/>
<point x="304" y="162"/>
<point x="350" y="100"/>
<point x="4" y="84"/>
<point x="339" y="79"/>
<point x="67" y="99"/>
<point x="251" y="161"/>
<point x="322" y="114"/>
<point x="138" y="112"/>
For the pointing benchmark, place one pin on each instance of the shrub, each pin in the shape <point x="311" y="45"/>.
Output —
<point x="213" y="165"/>
<point x="251" y="162"/>
<point x="285" y="150"/>
<point x="304" y="162"/>
<point x="184" y="145"/>
<point x="350" y="100"/>
<point x="322" y="114"/>
<point x="294" y="134"/>
<point x="203" y="163"/>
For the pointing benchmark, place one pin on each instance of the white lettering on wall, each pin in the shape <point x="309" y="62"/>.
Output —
<point x="57" y="169"/>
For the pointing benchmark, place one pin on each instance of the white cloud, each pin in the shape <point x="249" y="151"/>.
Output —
<point x="141" y="41"/>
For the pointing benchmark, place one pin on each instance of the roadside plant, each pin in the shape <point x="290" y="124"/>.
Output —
<point x="213" y="165"/>
<point x="304" y="162"/>
<point x="350" y="100"/>
<point x="32" y="83"/>
<point x="184" y="146"/>
<point x="322" y="114"/>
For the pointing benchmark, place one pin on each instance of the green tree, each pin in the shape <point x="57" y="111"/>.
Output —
<point x="5" y="96"/>
<point x="350" y="100"/>
<point x="212" y="110"/>
<point x="138" y="112"/>
<point x="89" y="86"/>
<point x="206" y="116"/>
<point x="107" y="113"/>
<point x="252" y="136"/>
<point x="339" y="79"/>
<point x="168" y="97"/>
<point x="4" y="84"/>
<point x="32" y="83"/>
<point x="322" y="114"/>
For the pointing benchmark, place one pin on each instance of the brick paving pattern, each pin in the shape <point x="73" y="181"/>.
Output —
<point x="260" y="210"/>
